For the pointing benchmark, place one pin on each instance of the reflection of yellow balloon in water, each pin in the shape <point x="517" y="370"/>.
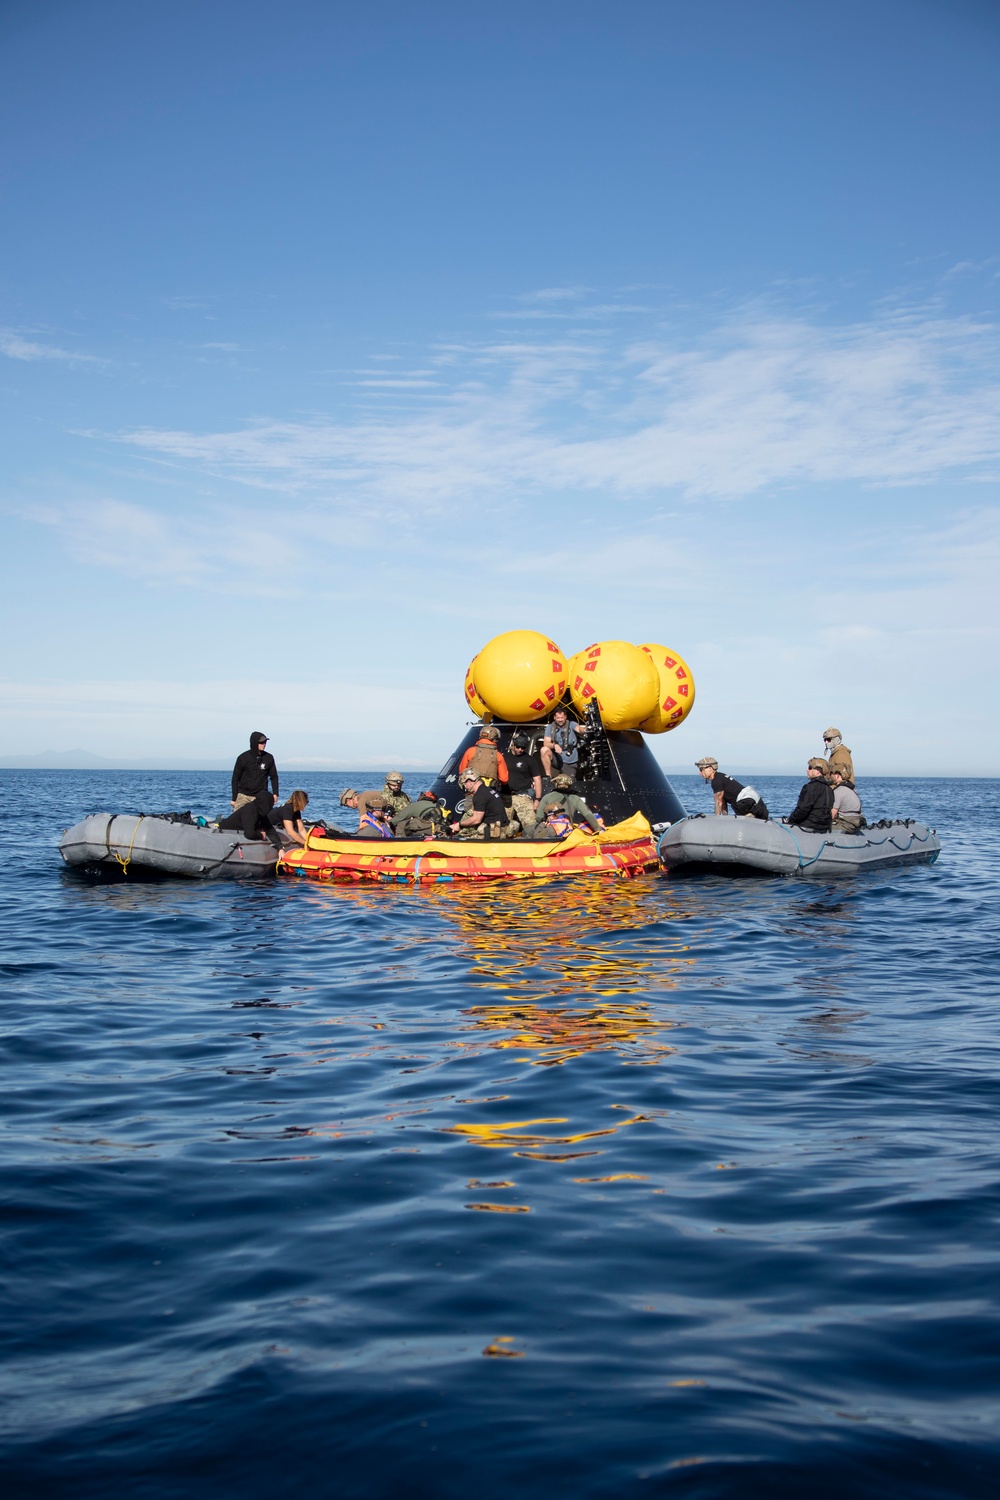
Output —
<point x="520" y="675"/>
<point x="676" y="691"/>
<point x="622" y="678"/>
<point x="472" y="698"/>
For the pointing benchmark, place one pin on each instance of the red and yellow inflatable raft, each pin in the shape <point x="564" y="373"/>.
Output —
<point x="625" y="850"/>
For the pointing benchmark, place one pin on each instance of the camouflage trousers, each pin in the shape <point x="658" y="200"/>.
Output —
<point x="522" y="807"/>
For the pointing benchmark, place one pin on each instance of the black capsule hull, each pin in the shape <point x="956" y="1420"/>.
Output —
<point x="624" y="778"/>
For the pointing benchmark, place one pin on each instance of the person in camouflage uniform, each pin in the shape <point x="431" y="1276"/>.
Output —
<point x="395" y="798"/>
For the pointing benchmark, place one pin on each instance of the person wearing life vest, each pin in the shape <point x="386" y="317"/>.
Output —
<point x="374" y="822"/>
<point x="836" y="753"/>
<point x="484" y="758"/>
<point x="560" y="809"/>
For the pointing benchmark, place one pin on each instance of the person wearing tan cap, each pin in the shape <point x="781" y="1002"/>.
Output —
<point x="365" y="804"/>
<point x="846" y="803"/>
<point x="837" y="753"/>
<point x="745" y="801"/>
<point x="813" y="811"/>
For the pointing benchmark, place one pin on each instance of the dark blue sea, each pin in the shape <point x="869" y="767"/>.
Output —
<point x="682" y="1187"/>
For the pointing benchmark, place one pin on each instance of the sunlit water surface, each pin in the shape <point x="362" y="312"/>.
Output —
<point x="599" y="1189"/>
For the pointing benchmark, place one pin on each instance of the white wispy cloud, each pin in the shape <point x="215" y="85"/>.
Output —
<point x="760" y="402"/>
<point x="16" y="346"/>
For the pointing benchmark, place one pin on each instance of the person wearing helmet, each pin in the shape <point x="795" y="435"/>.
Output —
<point x="485" y="816"/>
<point x="561" y="808"/>
<point x="395" y="798"/>
<point x="524" y="779"/>
<point x="812" y="812"/>
<point x="423" y="819"/>
<point x="836" y="753"/>
<point x="252" y="772"/>
<point x="484" y="757"/>
<point x="745" y="801"/>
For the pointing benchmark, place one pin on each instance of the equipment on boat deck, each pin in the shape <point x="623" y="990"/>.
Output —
<point x="778" y="848"/>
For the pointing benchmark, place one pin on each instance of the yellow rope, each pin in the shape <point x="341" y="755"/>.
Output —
<point x="128" y="858"/>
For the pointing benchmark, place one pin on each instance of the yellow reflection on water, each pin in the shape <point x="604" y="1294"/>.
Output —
<point x="552" y="1035"/>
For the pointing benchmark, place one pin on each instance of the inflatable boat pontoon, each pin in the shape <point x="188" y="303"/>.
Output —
<point x="109" y="843"/>
<point x="707" y="842"/>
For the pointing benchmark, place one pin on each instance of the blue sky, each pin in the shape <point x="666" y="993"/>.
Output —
<point x="336" y="339"/>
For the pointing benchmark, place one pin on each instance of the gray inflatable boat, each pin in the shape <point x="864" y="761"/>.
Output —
<point x="110" y="844"/>
<point x="707" y="842"/>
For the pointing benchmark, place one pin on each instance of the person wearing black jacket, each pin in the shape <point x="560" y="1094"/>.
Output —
<point x="253" y="819"/>
<point x="252" y="772"/>
<point x="813" y="810"/>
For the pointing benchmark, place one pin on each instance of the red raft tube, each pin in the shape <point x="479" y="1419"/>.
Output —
<point x="625" y="850"/>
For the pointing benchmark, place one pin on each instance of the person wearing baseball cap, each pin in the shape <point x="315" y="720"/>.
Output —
<point x="252" y="772"/>
<point x="837" y="753"/>
<point x="814" y="810"/>
<point x="745" y="801"/>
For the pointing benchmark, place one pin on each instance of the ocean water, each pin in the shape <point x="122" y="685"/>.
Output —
<point x="676" y="1186"/>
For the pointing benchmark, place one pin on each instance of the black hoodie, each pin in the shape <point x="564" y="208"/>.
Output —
<point x="253" y="770"/>
<point x="812" y="811"/>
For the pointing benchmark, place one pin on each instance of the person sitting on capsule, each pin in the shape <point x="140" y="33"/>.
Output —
<point x="560" y="808"/>
<point x="395" y="797"/>
<point x="815" y="804"/>
<point x="485" y="816"/>
<point x="745" y="801"/>
<point x="288" y="817"/>
<point x="484" y="758"/>
<point x="836" y="753"/>
<point x="846" y="802"/>
<point x="560" y="750"/>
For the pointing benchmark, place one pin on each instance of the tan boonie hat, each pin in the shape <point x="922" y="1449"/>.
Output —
<point x="818" y="764"/>
<point x="346" y="796"/>
<point x="706" y="760"/>
<point x="832" y="734"/>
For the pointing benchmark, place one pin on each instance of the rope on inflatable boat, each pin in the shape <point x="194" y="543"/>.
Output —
<point x="803" y="862"/>
<point x="128" y="858"/>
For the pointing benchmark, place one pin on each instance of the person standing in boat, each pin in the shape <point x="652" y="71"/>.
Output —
<point x="252" y="772"/>
<point x="836" y="753"/>
<point x="846" y="802"/>
<point x="484" y="758"/>
<point x="812" y="812"/>
<point x="745" y="801"/>
<point x="524" y="780"/>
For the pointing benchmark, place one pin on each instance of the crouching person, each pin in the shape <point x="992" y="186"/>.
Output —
<point x="423" y="819"/>
<point x="253" y="820"/>
<point x="560" y="809"/>
<point x="485" y="816"/>
<point x="846" y="802"/>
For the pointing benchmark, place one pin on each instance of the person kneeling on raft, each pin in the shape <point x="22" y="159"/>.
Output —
<point x="745" y="801"/>
<point x="288" y="817"/>
<point x="423" y="819"/>
<point x="815" y="805"/>
<point x="253" y="820"/>
<point x="846" y="802"/>
<point x="485" y="816"/>
<point x="560" y="808"/>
